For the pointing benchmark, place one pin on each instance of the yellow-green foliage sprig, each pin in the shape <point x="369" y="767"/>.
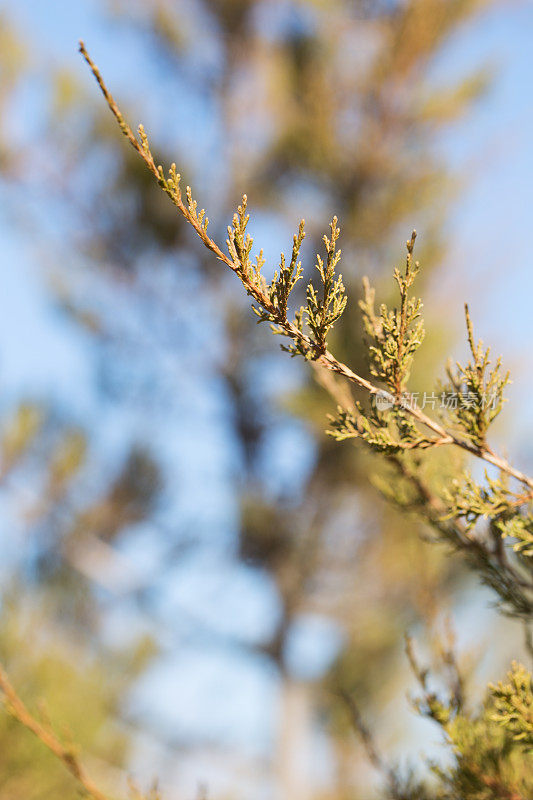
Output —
<point x="394" y="335"/>
<point x="479" y="390"/>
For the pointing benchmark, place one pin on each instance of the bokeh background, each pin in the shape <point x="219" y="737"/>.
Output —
<point x="190" y="570"/>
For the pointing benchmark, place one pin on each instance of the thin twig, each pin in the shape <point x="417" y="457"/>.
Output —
<point x="372" y="752"/>
<point x="46" y="735"/>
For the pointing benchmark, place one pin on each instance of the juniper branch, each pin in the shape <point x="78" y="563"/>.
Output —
<point x="497" y="567"/>
<point x="313" y="348"/>
<point x="487" y="743"/>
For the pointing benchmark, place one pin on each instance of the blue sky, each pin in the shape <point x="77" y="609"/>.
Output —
<point x="489" y="263"/>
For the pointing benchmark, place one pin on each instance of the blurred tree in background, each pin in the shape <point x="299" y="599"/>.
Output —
<point x="313" y="108"/>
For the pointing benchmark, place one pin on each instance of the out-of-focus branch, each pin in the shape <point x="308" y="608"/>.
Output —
<point x="371" y="750"/>
<point x="66" y="754"/>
